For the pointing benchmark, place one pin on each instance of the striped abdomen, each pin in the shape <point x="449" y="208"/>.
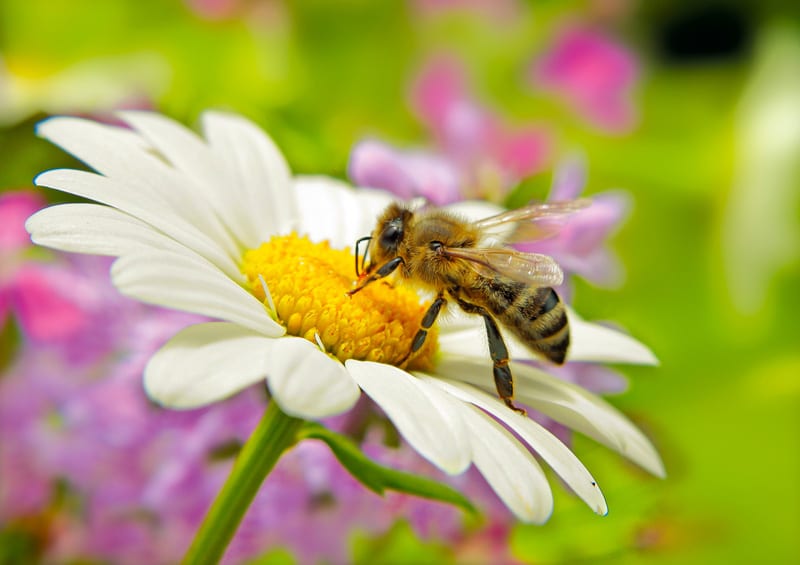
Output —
<point x="536" y="315"/>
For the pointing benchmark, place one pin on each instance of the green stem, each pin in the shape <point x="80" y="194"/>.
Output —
<point x="275" y="433"/>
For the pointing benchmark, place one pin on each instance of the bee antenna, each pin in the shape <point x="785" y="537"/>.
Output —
<point x="358" y="244"/>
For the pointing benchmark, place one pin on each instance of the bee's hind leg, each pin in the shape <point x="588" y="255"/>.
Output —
<point x="502" y="372"/>
<point x="503" y="380"/>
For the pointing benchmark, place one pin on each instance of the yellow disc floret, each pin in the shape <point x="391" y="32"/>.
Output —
<point x="308" y="283"/>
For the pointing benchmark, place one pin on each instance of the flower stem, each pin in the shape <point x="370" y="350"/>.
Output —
<point x="275" y="433"/>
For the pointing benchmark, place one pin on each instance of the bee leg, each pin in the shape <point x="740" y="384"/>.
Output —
<point x="385" y="270"/>
<point x="502" y="372"/>
<point x="427" y="321"/>
<point x="503" y="380"/>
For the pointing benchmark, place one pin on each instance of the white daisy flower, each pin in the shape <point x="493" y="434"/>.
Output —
<point x="217" y="225"/>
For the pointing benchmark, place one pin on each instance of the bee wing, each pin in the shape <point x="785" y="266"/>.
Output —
<point x="536" y="221"/>
<point x="534" y="269"/>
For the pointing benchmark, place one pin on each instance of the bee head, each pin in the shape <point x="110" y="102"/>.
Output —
<point x="389" y="233"/>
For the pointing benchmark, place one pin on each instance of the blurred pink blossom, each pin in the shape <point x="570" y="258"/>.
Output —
<point x="499" y="10"/>
<point x="468" y="132"/>
<point x="34" y="292"/>
<point x="594" y="73"/>
<point x="476" y="154"/>
<point x="214" y="9"/>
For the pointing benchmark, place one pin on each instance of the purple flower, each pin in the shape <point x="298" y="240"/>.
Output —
<point x="594" y="73"/>
<point x="407" y="174"/>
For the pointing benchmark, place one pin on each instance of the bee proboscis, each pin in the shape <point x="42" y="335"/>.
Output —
<point x="459" y="260"/>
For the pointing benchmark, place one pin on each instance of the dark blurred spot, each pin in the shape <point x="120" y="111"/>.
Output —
<point x="322" y="500"/>
<point x="224" y="451"/>
<point x="698" y="33"/>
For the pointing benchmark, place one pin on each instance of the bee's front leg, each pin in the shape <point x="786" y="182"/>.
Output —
<point x="386" y="270"/>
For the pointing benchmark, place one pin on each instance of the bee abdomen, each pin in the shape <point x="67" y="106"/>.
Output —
<point x="539" y="318"/>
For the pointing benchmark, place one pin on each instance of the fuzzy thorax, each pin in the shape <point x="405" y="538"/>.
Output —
<point x="308" y="284"/>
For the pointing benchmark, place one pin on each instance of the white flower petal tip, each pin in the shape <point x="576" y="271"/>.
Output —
<point x="206" y="363"/>
<point x="598" y="343"/>
<point x="587" y="413"/>
<point x="509" y="468"/>
<point x="429" y="419"/>
<point x="548" y="446"/>
<point x="564" y="402"/>
<point x="94" y="229"/>
<point x="49" y="126"/>
<point x="306" y="382"/>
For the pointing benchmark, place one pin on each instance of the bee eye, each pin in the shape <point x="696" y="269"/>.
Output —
<point x="391" y="235"/>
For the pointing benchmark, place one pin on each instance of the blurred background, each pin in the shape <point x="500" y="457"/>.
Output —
<point x="692" y="108"/>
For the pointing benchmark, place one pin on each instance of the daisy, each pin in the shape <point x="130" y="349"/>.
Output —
<point x="218" y="226"/>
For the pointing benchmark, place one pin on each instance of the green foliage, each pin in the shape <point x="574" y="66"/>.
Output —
<point x="378" y="478"/>
<point x="274" y="557"/>
<point x="399" y="545"/>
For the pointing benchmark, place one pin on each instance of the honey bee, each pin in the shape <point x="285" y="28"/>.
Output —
<point x="458" y="260"/>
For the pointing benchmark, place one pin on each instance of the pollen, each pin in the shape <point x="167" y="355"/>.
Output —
<point x="308" y="284"/>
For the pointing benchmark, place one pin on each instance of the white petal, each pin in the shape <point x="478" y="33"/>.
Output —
<point x="330" y="210"/>
<point x="426" y="417"/>
<point x="593" y="342"/>
<point x="566" y="403"/>
<point x="548" y="446"/>
<point x="306" y="382"/>
<point x="123" y="156"/>
<point x="260" y="180"/>
<point x="120" y="195"/>
<point x="509" y="468"/>
<point x="206" y="363"/>
<point x="111" y="151"/>
<point x="200" y="172"/>
<point x="183" y="282"/>
<point x="179" y="145"/>
<point x="95" y="229"/>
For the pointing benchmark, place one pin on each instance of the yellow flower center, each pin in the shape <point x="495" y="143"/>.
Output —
<point x="308" y="283"/>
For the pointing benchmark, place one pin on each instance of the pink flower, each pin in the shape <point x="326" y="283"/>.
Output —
<point x="15" y="207"/>
<point x="477" y="154"/>
<point x="594" y="73"/>
<point x="471" y="135"/>
<point x="502" y="11"/>
<point x="214" y="9"/>
<point x="35" y="292"/>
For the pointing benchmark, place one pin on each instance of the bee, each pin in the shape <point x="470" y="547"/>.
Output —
<point x="467" y="263"/>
